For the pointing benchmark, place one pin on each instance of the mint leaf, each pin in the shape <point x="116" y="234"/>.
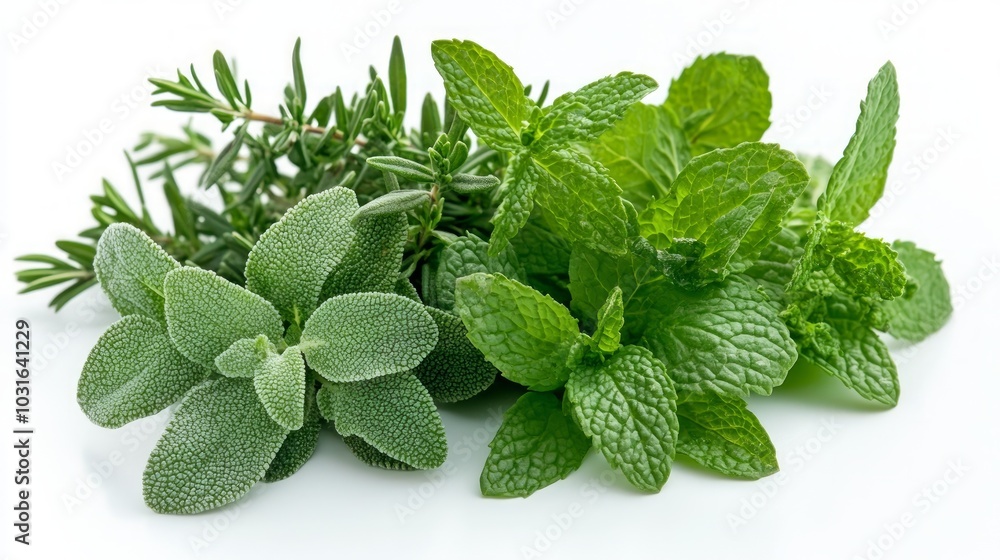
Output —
<point x="518" y="187"/>
<point x="394" y="414"/>
<point x="724" y="338"/>
<point x="280" y="383"/>
<point x="922" y="312"/>
<point x="594" y="275"/>
<point x="541" y="252"/>
<point x="467" y="255"/>
<point x="581" y="198"/>
<point x="132" y="372"/>
<point x="585" y="114"/>
<point x="373" y="260"/>
<point x="856" y="356"/>
<point x="545" y="258"/>
<point x="245" y="356"/>
<point x="723" y="100"/>
<point x="361" y="336"/>
<point x="298" y="447"/>
<point x="455" y="370"/>
<point x="866" y="267"/>
<point x="131" y="267"/>
<point x="218" y="444"/>
<point x="627" y="406"/>
<point x="276" y="269"/>
<point x="858" y="179"/>
<point x="610" y="319"/>
<point x="644" y="152"/>
<point x="206" y="314"/>
<point x="484" y="90"/>
<point x="803" y="212"/>
<point x="526" y="335"/>
<point x="720" y="434"/>
<point x="535" y="446"/>
<point x="775" y="267"/>
<point x="731" y="201"/>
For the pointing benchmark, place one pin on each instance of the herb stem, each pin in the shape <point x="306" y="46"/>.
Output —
<point x="270" y="119"/>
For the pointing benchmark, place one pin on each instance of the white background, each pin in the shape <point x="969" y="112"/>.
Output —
<point x="850" y="471"/>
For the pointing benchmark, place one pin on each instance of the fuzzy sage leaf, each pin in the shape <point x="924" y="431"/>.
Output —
<point x="218" y="444"/>
<point x="354" y="337"/>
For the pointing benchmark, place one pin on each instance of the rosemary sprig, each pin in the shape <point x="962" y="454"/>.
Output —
<point x="275" y="160"/>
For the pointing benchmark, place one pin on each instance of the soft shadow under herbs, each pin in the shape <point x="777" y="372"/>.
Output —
<point x="500" y="396"/>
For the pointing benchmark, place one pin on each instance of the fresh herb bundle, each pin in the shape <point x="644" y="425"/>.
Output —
<point x="639" y="269"/>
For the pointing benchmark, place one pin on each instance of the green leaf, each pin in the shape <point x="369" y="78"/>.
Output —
<point x="396" y="415"/>
<point x="595" y="275"/>
<point x="858" y="179"/>
<point x="455" y="370"/>
<point x="519" y="189"/>
<point x="131" y="267"/>
<point x="297" y="75"/>
<point x="775" y="267"/>
<point x="526" y="335"/>
<point x="627" y="406"/>
<point x="724" y="338"/>
<point x="373" y="260"/>
<point x="585" y="114"/>
<point x="226" y="158"/>
<point x="540" y="251"/>
<point x="353" y="337"/>
<point x="610" y="319"/>
<point x="467" y="255"/>
<point x="866" y="266"/>
<point x="82" y="253"/>
<point x="581" y="198"/>
<point x="45" y="259"/>
<point x="403" y="168"/>
<point x="394" y="202"/>
<point x="731" y="201"/>
<point x="277" y="268"/>
<point x="245" y="357"/>
<point x="720" y="434"/>
<point x="75" y="289"/>
<point x="483" y="90"/>
<point x="397" y="76"/>
<point x="225" y="80"/>
<point x="922" y="312"/>
<point x="298" y="447"/>
<point x="857" y="357"/>
<point x="723" y="101"/>
<point x="430" y="119"/>
<point x="467" y="184"/>
<point x="206" y="314"/>
<point x="218" y="444"/>
<point x="132" y="372"/>
<point x="803" y="212"/>
<point x="535" y="446"/>
<point x="324" y="402"/>
<point x="371" y="456"/>
<point x="406" y="289"/>
<point x="280" y="383"/>
<point x="644" y="152"/>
